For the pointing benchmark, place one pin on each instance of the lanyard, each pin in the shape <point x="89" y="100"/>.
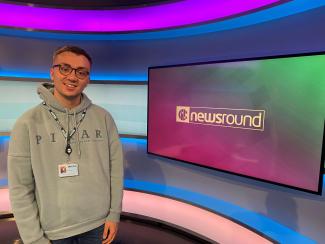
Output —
<point x="66" y="134"/>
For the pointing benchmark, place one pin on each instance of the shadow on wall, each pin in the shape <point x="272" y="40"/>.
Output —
<point x="138" y="165"/>
<point x="4" y="143"/>
<point x="284" y="208"/>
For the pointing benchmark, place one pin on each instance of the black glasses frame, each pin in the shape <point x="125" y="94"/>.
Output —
<point x="77" y="74"/>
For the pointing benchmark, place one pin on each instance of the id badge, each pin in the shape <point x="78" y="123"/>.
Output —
<point x="66" y="170"/>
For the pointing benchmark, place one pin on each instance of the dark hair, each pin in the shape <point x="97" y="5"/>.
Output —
<point x="73" y="49"/>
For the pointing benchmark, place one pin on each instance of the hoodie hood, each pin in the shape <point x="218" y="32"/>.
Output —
<point x="46" y="91"/>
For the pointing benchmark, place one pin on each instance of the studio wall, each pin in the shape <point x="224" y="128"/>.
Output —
<point x="128" y="60"/>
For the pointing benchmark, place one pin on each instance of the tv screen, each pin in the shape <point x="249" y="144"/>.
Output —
<point x="262" y="118"/>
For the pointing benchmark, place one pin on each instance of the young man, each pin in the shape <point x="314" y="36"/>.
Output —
<point x="65" y="162"/>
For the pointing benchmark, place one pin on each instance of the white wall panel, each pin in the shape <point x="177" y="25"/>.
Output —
<point x="126" y="103"/>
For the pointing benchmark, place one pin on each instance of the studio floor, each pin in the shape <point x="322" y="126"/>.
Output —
<point x="131" y="230"/>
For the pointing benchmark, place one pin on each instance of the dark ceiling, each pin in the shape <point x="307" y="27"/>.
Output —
<point x="91" y="4"/>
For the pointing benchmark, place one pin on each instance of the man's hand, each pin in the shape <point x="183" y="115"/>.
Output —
<point x="110" y="231"/>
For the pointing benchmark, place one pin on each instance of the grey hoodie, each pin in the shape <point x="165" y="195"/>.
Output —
<point x="47" y="206"/>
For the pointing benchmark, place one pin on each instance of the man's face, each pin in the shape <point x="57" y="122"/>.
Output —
<point x="69" y="87"/>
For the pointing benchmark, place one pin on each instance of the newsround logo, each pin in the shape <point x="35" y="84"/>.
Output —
<point x="248" y="119"/>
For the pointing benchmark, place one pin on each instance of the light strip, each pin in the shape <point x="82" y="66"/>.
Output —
<point x="181" y="215"/>
<point x="281" y="11"/>
<point x="223" y="217"/>
<point x="94" y="77"/>
<point x="164" y="16"/>
<point x="256" y="221"/>
<point x="189" y="217"/>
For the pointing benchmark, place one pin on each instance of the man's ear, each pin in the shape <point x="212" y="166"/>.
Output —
<point x="51" y="73"/>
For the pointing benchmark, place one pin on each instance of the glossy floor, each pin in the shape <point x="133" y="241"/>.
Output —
<point x="130" y="232"/>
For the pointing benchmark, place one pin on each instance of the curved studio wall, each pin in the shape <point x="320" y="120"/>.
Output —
<point x="120" y="66"/>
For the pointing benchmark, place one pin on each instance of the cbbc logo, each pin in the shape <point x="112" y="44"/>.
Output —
<point x="225" y="117"/>
<point x="182" y="114"/>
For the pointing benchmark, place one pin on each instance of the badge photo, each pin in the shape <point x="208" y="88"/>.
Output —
<point x="66" y="170"/>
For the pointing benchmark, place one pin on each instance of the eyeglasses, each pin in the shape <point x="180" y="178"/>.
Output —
<point x="66" y="69"/>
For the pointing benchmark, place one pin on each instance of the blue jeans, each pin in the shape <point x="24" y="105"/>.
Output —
<point x="94" y="236"/>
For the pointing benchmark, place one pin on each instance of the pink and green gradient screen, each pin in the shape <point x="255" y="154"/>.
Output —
<point x="261" y="118"/>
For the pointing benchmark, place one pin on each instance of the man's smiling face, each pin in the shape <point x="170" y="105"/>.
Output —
<point x="68" y="88"/>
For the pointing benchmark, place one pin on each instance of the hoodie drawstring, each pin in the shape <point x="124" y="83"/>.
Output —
<point x="68" y="129"/>
<point x="76" y="126"/>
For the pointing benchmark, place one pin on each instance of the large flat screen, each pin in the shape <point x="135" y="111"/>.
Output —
<point x="262" y="118"/>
